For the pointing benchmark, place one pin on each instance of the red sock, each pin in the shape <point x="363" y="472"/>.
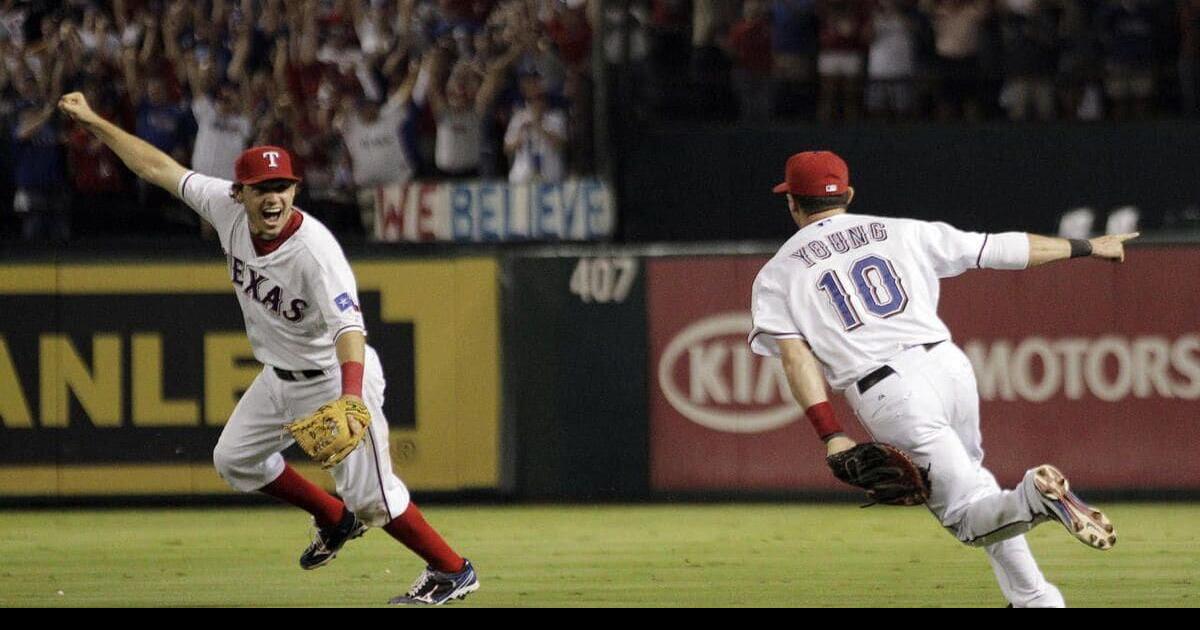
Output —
<point x="304" y="494"/>
<point x="411" y="529"/>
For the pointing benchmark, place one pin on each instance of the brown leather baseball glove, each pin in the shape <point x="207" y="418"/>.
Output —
<point x="332" y="432"/>
<point x="887" y="474"/>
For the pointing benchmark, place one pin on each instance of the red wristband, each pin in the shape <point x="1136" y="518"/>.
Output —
<point x="823" y="420"/>
<point x="352" y="377"/>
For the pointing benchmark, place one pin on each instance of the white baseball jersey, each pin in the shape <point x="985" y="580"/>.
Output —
<point x="296" y="300"/>
<point x="861" y="289"/>
<point x="863" y="292"/>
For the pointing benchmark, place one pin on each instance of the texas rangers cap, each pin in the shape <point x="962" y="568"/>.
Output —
<point x="815" y="174"/>
<point x="260" y="164"/>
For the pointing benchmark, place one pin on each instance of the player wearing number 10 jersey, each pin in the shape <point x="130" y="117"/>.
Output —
<point x="852" y="300"/>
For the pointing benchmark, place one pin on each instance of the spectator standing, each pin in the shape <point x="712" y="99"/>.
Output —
<point x="99" y="202"/>
<point x="1080" y="69"/>
<point x="669" y="49"/>
<point x="40" y="201"/>
<point x="458" y="140"/>
<point x="536" y="136"/>
<point x="1127" y="34"/>
<point x="40" y="197"/>
<point x="160" y="120"/>
<point x="844" y="35"/>
<point x="571" y="34"/>
<point x="460" y="105"/>
<point x="1027" y="35"/>
<point x="371" y="134"/>
<point x="223" y="131"/>
<point x="891" y="62"/>
<point x="956" y="28"/>
<point x="794" y="56"/>
<point x="750" y="44"/>
<point x="794" y="40"/>
<point x="161" y="117"/>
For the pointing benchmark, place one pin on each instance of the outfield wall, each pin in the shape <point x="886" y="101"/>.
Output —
<point x="1089" y="365"/>
<point x="117" y="379"/>
<point x="587" y="372"/>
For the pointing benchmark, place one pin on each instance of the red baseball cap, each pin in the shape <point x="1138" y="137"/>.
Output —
<point x="260" y="164"/>
<point x="815" y="174"/>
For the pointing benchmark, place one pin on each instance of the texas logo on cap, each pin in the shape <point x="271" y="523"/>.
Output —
<point x="815" y="174"/>
<point x="260" y="164"/>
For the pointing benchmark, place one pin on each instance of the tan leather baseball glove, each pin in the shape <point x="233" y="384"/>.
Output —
<point x="332" y="432"/>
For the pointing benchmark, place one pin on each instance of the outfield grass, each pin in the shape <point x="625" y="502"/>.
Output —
<point x="687" y="555"/>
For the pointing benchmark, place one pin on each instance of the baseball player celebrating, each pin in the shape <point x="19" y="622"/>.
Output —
<point x="852" y="300"/>
<point x="299" y="300"/>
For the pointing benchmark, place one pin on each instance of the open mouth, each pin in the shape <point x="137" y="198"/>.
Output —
<point x="271" y="214"/>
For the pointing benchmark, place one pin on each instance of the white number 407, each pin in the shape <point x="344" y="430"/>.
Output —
<point x="603" y="280"/>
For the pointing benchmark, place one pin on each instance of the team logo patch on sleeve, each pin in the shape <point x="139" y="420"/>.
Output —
<point x="344" y="302"/>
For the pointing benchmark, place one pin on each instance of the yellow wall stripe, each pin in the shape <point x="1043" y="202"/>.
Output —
<point x="131" y="279"/>
<point x="454" y="305"/>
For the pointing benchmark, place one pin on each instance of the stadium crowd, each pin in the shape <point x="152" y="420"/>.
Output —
<point x="377" y="92"/>
<point x="835" y="60"/>
<point x="362" y="93"/>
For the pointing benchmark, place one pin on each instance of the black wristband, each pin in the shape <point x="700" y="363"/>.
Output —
<point x="1080" y="248"/>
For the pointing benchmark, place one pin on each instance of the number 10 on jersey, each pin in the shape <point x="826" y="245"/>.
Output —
<point x="877" y="285"/>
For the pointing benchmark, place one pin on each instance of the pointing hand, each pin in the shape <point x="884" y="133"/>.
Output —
<point x="1111" y="247"/>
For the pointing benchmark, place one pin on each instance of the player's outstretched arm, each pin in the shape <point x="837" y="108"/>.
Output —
<point x="146" y="161"/>
<point x="1046" y="249"/>
<point x="808" y="387"/>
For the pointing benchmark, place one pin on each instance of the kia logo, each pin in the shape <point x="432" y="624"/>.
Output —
<point x="708" y="374"/>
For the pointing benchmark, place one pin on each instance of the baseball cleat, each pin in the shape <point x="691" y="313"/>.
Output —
<point x="434" y="588"/>
<point x="1083" y="521"/>
<point x="328" y="541"/>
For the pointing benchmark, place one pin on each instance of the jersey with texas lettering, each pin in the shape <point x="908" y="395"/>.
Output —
<point x="296" y="300"/>
<point x="860" y="289"/>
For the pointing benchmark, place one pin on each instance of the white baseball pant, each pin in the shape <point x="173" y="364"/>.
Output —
<point x="930" y="408"/>
<point x="248" y="454"/>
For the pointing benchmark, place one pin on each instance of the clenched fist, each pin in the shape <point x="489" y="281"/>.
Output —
<point x="1112" y="246"/>
<point x="76" y="106"/>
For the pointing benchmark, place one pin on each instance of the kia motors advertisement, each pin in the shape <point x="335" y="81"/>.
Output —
<point x="721" y="417"/>
<point x="1091" y="366"/>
